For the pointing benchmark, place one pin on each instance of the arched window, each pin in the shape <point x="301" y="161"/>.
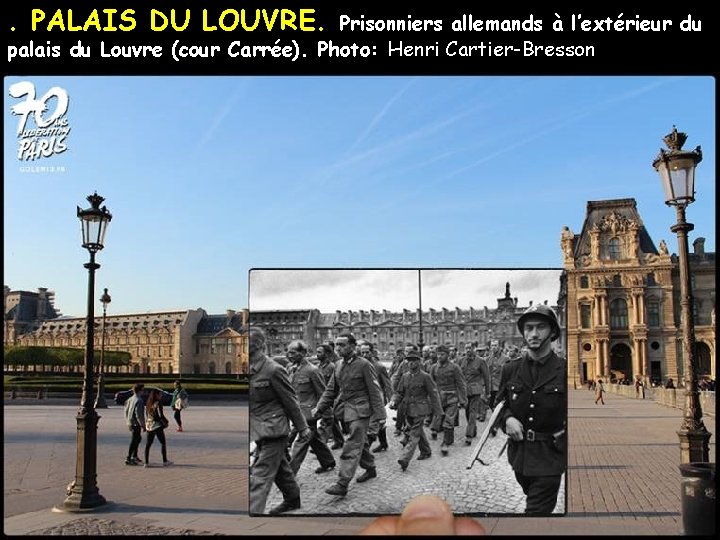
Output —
<point x="211" y="368"/>
<point x="614" y="249"/>
<point x="228" y="368"/>
<point x="618" y="314"/>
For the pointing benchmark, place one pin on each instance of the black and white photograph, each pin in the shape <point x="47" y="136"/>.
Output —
<point x="369" y="387"/>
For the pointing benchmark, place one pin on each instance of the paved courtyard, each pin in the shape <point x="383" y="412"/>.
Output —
<point x="623" y="476"/>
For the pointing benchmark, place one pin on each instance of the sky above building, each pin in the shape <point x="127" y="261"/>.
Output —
<point x="208" y="177"/>
<point x="395" y="290"/>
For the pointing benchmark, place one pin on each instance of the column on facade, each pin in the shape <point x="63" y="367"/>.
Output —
<point x="637" y="363"/>
<point x="606" y="358"/>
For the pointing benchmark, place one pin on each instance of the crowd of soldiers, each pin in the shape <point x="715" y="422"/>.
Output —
<point x="340" y="395"/>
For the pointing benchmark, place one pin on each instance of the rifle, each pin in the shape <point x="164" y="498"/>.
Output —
<point x="485" y="435"/>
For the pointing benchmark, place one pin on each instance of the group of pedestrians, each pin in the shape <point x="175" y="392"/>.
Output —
<point x="148" y="415"/>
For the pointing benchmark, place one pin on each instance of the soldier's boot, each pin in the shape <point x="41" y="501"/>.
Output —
<point x="433" y="434"/>
<point x="468" y="441"/>
<point x="403" y="464"/>
<point x="337" y="489"/>
<point x="337" y="444"/>
<point x="424" y="456"/>
<point x="285" y="506"/>
<point x="444" y="449"/>
<point x="367" y="475"/>
<point x="405" y="439"/>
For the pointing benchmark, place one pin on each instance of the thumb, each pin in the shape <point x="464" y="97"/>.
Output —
<point x="426" y="515"/>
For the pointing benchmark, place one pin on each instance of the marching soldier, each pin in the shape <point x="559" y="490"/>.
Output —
<point x="367" y="351"/>
<point x="395" y="380"/>
<point x="533" y="387"/>
<point x="453" y="394"/>
<point x="495" y="361"/>
<point x="330" y="424"/>
<point x="418" y="393"/>
<point x="309" y="385"/>
<point x="477" y="378"/>
<point x="355" y="385"/>
<point x="272" y="402"/>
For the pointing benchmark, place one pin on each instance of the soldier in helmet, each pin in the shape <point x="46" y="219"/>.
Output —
<point x="535" y="414"/>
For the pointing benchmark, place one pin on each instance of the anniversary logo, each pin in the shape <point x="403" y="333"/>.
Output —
<point x="43" y="125"/>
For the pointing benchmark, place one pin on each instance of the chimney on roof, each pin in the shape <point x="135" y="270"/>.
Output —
<point x="41" y="307"/>
<point x="699" y="246"/>
<point x="230" y="313"/>
<point x="245" y="316"/>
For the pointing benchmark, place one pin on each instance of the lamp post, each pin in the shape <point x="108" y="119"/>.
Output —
<point x="100" y="402"/>
<point x="83" y="493"/>
<point x="677" y="173"/>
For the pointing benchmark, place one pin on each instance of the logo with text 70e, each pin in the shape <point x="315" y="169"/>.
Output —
<point x="43" y="126"/>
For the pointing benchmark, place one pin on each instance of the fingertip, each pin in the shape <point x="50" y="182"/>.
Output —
<point x="466" y="526"/>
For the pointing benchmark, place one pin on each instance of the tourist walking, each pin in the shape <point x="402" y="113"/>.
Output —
<point x="155" y="424"/>
<point x="178" y="402"/>
<point x="599" y="391"/>
<point x="135" y="420"/>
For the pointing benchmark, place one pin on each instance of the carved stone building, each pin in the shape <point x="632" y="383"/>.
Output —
<point x="178" y="342"/>
<point x="622" y="299"/>
<point x="391" y="330"/>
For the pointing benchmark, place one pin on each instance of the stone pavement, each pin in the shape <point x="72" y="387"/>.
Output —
<point x="623" y="476"/>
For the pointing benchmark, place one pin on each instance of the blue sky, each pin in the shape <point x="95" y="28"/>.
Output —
<point x="208" y="177"/>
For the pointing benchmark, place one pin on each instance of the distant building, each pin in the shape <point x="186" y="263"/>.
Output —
<point x="24" y="308"/>
<point x="391" y="330"/>
<point x="177" y="342"/>
<point x="621" y="297"/>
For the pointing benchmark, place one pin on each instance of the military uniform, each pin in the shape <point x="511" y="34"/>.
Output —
<point x="451" y="386"/>
<point x="495" y="362"/>
<point x="477" y="378"/>
<point x="401" y="370"/>
<point x="355" y="386"/>
<point x="386" y="387"/>
<point x="329" y="425"/>
<point x="272" y="402"/>
<point x="417" y="392"/>
<point x="310" y="386"/>
<point x="540" y="404"/>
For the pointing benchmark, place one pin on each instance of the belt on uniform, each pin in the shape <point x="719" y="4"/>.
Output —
<point x="532" y="435"/>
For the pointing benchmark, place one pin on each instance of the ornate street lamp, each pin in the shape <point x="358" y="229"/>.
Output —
<point x="677" y="173"/>
<point x="100" y="402"/>
<point x="83" y="493"/>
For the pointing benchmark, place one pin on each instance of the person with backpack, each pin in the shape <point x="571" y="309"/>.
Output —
<point x="178" y="402"/>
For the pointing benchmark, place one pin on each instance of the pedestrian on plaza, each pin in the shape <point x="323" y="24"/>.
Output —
<point x="135" y="420"/>
<point x="477" y="379"/>
<point x="329" y="424"/>
<point x="451" y="386"/>
<point x="599" y="391"/>
<point x="670" y="384"/>
<point x="309" y="385"/>
<point x="639" y="388"/>
<point x="533" y="388"/>
<point x="356" y="388"/>
<point x="178" y="402"/>
<point x="367" y="351"/>
<point x="417" y="391"/>
<point x="155" y="424"/>
<point x="273" y="404"/>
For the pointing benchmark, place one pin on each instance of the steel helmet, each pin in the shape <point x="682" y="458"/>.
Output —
<point x="543" y="311"/>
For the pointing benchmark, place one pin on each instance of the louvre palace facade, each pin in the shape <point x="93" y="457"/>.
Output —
<point x="622" y="298"/>
<point x="189" y="341"/>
